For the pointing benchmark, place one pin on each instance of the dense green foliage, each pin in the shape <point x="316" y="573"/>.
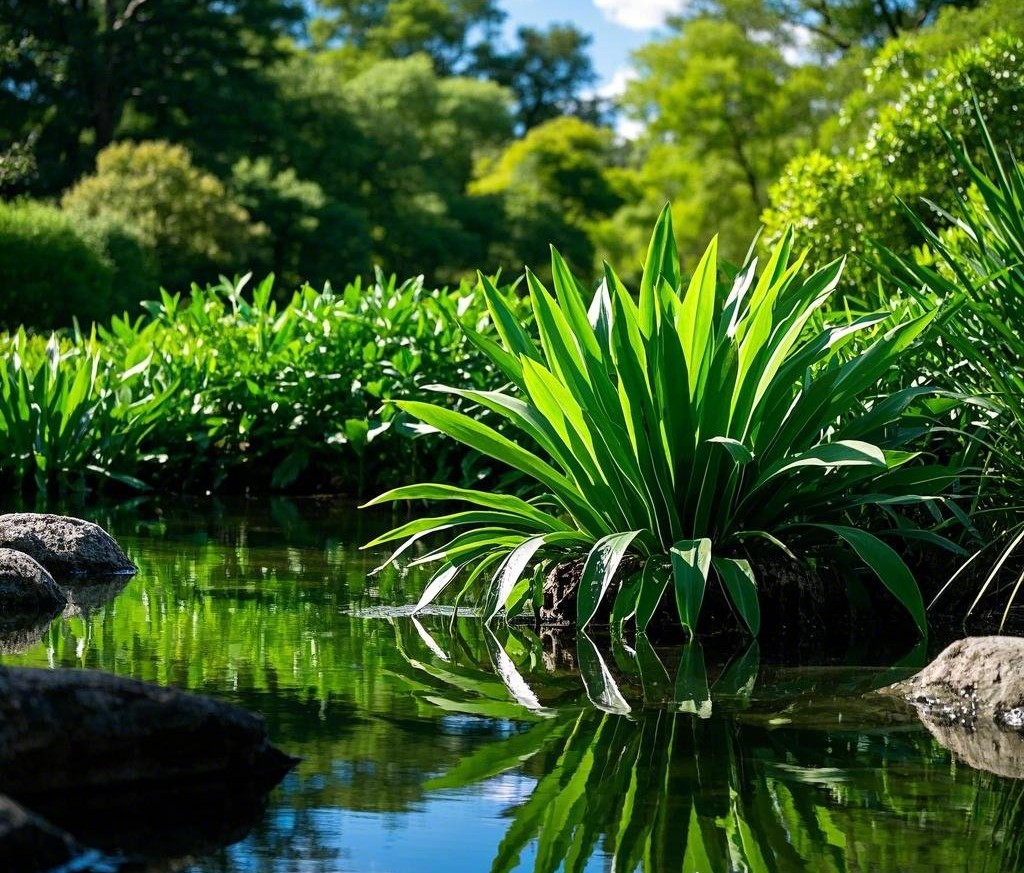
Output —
<point x="313" y="158"/>
<point x="978" y="281"/>
<point x="317" y="140"/>
<point x="676" y="434"/>
<point x="400" y="133"/>
<point x="180" y="214"/>
<point x="48" y="271"/>
<point x="247" y="392"/>
<point x="841" y="202"/>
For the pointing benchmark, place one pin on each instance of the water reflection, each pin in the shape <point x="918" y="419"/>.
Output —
<point x="434" y="744"/>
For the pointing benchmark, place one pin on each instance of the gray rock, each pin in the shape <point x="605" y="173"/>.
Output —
<point x="64" y="545"/>
<point x="977" y="679"/>
<point x="971" y="699"/>
<point x="26" y="588"/>
<point x="78" y="730"/>
<point x="29" y="844"/>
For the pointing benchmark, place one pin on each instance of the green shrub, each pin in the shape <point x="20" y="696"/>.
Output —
<point x="840" y="202"/>
<point x="683" y="431"/>
<point x="275" y="396"/>
<point x="978" y="278"/>
<point x="48" y="271"/>
<point x="178" y="211"/>
<point x="134" y="267"/>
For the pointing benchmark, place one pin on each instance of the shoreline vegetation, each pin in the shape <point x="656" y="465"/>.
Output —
<point x="731" y="418"/>
<point x="848" y="387"/>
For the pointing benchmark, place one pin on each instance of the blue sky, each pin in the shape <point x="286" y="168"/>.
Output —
<point x="617" y="26"/>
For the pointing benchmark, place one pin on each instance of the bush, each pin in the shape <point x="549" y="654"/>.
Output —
<point x="134" y="266"/>
<point x="49" y="269"/>
<point x="176" y="210"/>
<point x="978" y="276"/>
<point x="66" y="414"/>
<point x="674" y="435"/>
<point x="839" y="203"/>
<point x="296" y="395"/>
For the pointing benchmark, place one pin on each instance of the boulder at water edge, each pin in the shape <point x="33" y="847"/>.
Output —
<point x="76" y="730"/>
<point x="971" y="698"/>
<point x="64" y="545"/>
<point x="29" y="844"/>
<point x="27" y="590"/>
<point x="974" y="679"/>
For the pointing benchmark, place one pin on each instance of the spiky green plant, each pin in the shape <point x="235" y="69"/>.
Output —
<point x="979" y="278"/>
<point x="67" y="413"/>
<point x="679" y="429"/>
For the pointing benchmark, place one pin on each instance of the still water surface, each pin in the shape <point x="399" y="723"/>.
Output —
<point x="437" y="746"/>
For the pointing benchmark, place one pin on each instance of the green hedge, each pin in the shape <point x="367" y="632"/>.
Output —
<point x="54" y="266"/>
<point x="48" y="269"/>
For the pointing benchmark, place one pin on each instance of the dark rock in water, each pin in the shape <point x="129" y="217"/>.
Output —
<point x="80" y="729"/>
<point x="805" y="614"/>
<point x="971" y="698"/>
<point x="83" y="599"/>
<point x="18" y="638"/>
<point x="158" y="822"/>
<point x="29" y="844"/>
<point x="64" y="545"/>
<point x="27" y="590"/>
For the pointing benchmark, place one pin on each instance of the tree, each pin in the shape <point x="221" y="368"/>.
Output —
<point x="830" y="25"/>
<point x="547" y="71"/>
<point x="424" y="134"/>
<point x="723" y="112"/>
<point x="446" y="30"/>
<point x="80" y="73"/>
<point x="841" y="203"/>
<point x="550" y="187"/>
<point x="176" y="210"/>
<point x="911" y="57"/>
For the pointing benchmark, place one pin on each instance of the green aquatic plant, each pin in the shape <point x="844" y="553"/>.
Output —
<point x="671" y="434"/>
<point x="254" y="390"/>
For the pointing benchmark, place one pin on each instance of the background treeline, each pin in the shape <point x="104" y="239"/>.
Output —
<point x="160" y="142"/>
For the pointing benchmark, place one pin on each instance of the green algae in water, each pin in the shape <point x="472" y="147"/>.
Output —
<point x="433" y="744"/>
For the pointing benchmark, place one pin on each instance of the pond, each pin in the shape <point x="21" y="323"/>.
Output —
<point x="436" y="745"/>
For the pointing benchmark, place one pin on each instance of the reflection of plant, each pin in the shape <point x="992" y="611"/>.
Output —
<point x="661" y="791"/>
<point x="679" y="430"/>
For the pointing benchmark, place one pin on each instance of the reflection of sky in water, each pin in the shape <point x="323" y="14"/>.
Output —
<point x="256" y="608"/>
<point x="450" y="830"/>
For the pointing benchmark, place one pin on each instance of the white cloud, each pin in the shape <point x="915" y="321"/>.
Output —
<point x="616" y="85"/>
<point x="629" y="128"/>
<point x="639" y="14"/>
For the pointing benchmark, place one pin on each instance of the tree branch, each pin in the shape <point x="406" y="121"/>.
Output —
<point x="129" y="11"/>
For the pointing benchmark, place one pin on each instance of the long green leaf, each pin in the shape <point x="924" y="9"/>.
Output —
<point x="598" y="572"/>
<point x="888" y="566"/>
<point x="691" y="561"/>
